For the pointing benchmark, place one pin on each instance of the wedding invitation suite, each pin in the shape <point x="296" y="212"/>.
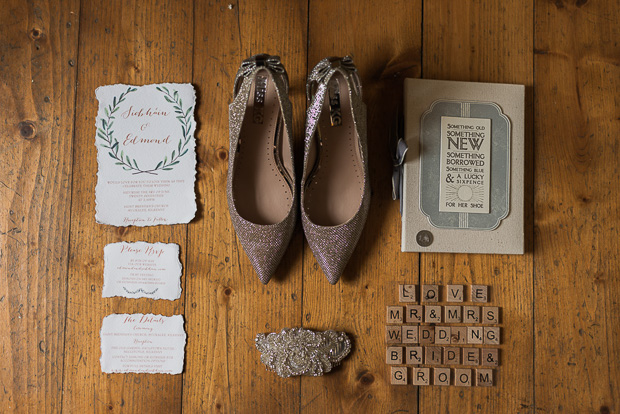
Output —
<point x="463" y="173"/>
<point x="142" y="344"/>
<point x="137" y="270"/>
<point x="146" y="154"/>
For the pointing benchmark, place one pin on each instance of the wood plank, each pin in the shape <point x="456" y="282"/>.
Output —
<point x="489" y="42"/>
<point x="385" y="44"/>
<point x="577" y="206"/>
<point x="120" y="42"/>
<point x="38" y="45"/>
<point x="227" y="304"/>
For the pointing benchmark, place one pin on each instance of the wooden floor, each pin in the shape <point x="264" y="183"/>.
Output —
<point x="560" y="301"/>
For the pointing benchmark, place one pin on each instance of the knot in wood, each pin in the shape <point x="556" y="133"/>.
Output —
<point x="27" y="129"/>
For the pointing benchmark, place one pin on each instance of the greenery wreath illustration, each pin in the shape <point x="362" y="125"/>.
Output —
<point x="106" y="133"/>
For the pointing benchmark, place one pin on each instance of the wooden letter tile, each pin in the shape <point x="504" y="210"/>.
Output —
<point x="421" y="376"/>
<point x="490" y="314"/>
<point x="462" y="377"/>
<point x="471" y="356"/>
<point x="393" y="334"/>
<point x="410" y="334"/>
<point x="432" y="314"/>
<point x="427" y="335"/>
<point x="479" y="293"/>
<point x="441" y="376"/>
<point x="484" y="377"/>
<point x="413" y="355"/>
<point x="475" y="335"/>
<point x="453" y="313"/>
<point x="491" y="335"/>
<point x="454" y="293"/>
<point x="394" y="355"/>
<point x="394" y="314"/>
<point x="490" y="357"/>
<point x="442" y="335"/>
<point x="430" y="293"/>
<point x="406" y="293"/>
<point x="452" y="355"/>
<point x="432" y="355"/>
<point x="458" y="335"/>
<point x="415" y="313"/>
<point x="398" y="375"/>
<point x="471" y="314"/>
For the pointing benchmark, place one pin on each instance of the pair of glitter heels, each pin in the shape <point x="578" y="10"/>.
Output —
<point x="261" y="187"/>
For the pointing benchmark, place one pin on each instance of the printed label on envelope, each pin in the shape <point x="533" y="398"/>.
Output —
<point x="142" y="270"/>
<point x="151" y="344"/>
<point x="146" y="154"/>
<point x="465" y="165"/>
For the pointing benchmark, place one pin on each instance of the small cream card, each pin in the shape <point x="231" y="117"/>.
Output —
<point x="152" y="344"/>
<point x="137" y="270"/>
<point x="146" y="154"/>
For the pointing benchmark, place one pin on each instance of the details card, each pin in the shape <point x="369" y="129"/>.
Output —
<point x="137" y="270"/>
<point x="152" y="344"/>
<point x="146" y="154"/>
<point x="465" y="165"/>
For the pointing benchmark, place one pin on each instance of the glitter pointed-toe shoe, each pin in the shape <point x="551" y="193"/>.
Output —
<point x="335" y="189"/>
<point x="261" y="191"/>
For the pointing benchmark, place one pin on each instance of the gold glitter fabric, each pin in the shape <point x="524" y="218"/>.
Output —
<point x="264" y="244"/>
<point x="333" y="246"/>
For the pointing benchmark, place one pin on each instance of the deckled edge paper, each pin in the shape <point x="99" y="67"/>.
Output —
<point x="142" y="270"/>
<point x="103" y="213"/>
<point x="138" y="343"/>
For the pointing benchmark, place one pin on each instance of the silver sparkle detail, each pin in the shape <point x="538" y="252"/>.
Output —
<point x="299" y="351"/>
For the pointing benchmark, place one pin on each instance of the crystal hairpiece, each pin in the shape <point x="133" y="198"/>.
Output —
<point x="299" y="351"/>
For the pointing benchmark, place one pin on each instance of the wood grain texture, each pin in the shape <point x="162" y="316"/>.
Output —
<point x="385" y="46"/>
<point x="559" y="303"/>
<point x="120" y="42"/>
<point x="577" y="305"/>
<point x="38" y="43"/>
<point x="229" y="305"/>
<point x="486" y="41"/>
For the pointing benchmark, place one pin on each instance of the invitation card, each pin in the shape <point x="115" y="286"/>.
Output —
<point x="142" y="270"/>
<point x="146" y="154"/>
<point x="142" y="344"/>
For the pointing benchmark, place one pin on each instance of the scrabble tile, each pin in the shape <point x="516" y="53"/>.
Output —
<point x="441" y="376"/>
<point x="491" y="335"/>
<point x="490" y="314"/>
<point x="462" y="377"/>
<point x="432" y="355"/>
<point x="414" y="313"/>
<point x="471" y="356"/>
<point x="413" y="355"/>
<point x="479" y="293"/>
<point x="442" y="335"/>
<point x="432" y="314"/>
<point x="475" y="335"/>
<point x="453" y="313"/>
<point x="458" y="335"/>
<point x="406" y="293"/>
<point x="430" y="293"/>
<point x="452" y="355"/>
<point x="484" y="377"/>
<point x="410" y="334"/>
<point x="421" y="376"/>
<point x="490" y="357"/>
<point x="427" y="334"/>
<point x="393" y="334"/>
<point x="398" y="375"/>
<point x="454" y="293"/>
<point x="394" y="355"/>
<point x="471" y="314"/>
<point x="394" y="314"/>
